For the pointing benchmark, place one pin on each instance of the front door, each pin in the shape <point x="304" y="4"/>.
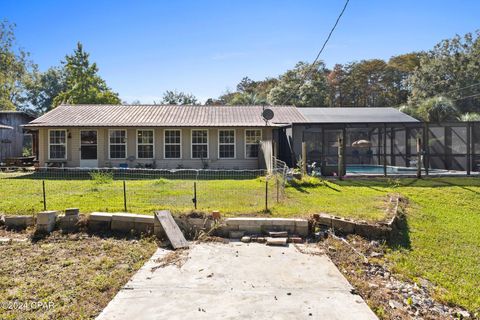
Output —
<point x="88" y="149"/>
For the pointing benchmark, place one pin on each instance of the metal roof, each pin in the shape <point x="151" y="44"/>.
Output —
<point x="2" y="126"/>
<point x="164" y="116"/>
<point x="355" y="115"/>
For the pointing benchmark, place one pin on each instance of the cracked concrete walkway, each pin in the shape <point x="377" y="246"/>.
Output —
<point x="237" y="280"/>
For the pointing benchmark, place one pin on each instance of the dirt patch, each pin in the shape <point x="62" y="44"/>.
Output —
<point x="364" y="264"/>
<point x="75" y="275"/>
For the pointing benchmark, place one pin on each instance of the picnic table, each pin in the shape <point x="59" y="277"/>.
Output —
<point x="20" y="161"/>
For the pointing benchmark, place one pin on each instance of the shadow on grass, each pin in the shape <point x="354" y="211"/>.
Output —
<point x="447" y="183"/>
<point x="426" y="182"/>
<point x="400" y="236"/>
<point x="360" y="183"/>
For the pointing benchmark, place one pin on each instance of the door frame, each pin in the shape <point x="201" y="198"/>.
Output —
<point x="88" y="163"/>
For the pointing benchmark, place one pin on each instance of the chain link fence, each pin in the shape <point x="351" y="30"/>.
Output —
<point x="143" y="190"/>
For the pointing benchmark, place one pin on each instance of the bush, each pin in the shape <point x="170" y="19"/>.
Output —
<point x="101" y="177"/>
<point x="306" y="182"/>
<point x="438" y="109"/>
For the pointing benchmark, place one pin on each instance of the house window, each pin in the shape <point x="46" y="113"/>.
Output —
<point x="252" y="142"/>
<point x="200" y="144"/>
<point x="57" y="144"/>
<point x="145" y="143"/>
<point x="226" y="144"/>
<point x="173" y="144"/>
<point x="117" y="144"/>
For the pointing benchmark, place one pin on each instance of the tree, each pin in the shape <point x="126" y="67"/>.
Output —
<point x="410" y="110"/>
<point x="470" y="116"/>
<point x="371" y="83"/>
<point x="305" y="85"/>
<point x="15" y="68"/>
<point x="438" y="109"/>
<point x="214" y="102"/>
<point x="249" y="92"/>
<point x="401" y="68"/>
<point x="83" y="84"/>
<point x="450" y="69"/>
<point x="45" y="87"/>
<point x="178" y="98"/>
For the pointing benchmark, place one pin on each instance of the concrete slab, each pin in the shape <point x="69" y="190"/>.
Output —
<point x="239" y="281"/>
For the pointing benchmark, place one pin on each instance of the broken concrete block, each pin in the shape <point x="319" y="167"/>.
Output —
<point x="123" y="222"/>
<point x="343" y="226"/>
<point x="251" y="229"/>
<point x="46" y="217"/>
<point x="323" y="219"/>
<point x="72" y="212"/>
<point x="295" y="240"/>
<point x="68" y="223"/>
<point x="277" y="241"/>
<point x="260" y="239"/>
<point x="144" y="223"/>
<point x="46" y="221"/>
<point x="236" y="234"/>
<point x="246" y="239"/>
<point x="99" y="221"/>
<point x="18" y="222"/>
<point x="278" y="234"/>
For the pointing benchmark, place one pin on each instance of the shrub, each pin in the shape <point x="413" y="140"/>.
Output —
<point x="101" y="177"/>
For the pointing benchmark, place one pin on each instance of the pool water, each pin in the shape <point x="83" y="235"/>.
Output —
<point x="376" y="169"/>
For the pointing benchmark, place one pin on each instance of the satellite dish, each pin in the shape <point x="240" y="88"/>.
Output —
<point x="268" y="114"/>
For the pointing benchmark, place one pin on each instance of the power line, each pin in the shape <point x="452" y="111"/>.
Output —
<point x="472" y="96"/>
<point x="472" y="85"/>
<point x="320" y="52"/>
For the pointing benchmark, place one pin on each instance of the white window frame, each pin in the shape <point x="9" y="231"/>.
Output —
<point x="126" y="144"/>
<point x="58" y="144"/>
<point x="200" y="144"/>
<point x="245" y="142"/>
<point x="171" y="144"/>
<point x="227" y="144"/>
<point x="145" y="144"/>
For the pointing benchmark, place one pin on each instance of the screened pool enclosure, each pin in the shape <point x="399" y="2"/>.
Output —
<point x="383" y="148"/>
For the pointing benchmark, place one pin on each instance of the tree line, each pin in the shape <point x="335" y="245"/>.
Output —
<point x="441" y="84"/>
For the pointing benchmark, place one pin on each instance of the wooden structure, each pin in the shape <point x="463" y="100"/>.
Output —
<point x="12" y="136"/>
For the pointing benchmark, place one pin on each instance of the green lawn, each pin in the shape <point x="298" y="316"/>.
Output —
<point x="20" y="194"/>
<point x="443" y="220"/>
<point x="443" y="239"/>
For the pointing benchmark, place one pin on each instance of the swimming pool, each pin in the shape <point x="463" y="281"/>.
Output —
<point x="378" y="169"/>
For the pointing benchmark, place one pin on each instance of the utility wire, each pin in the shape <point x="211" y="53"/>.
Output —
<point x="472" y="96"/>
<point x="319" y="53"/>
<point x="459" y="89"/>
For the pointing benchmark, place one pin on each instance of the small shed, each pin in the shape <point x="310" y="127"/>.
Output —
<point x="12" y="136"/>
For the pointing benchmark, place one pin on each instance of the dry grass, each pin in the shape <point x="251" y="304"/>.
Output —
<point x="78" y="273"/>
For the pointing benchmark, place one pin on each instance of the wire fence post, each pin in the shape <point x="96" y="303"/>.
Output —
<point x="266" y="194"/>
<point x="124" y="196"/>
<point x="278" y="188"/>
<point x="195" y="195"/>
<point x="44" y="196"/>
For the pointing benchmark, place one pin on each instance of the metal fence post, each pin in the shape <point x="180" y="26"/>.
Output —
<point x="124" y="196"/>
<point x="419" y="158"/>
<point x="195" y="194"/>
<point x="266" y="194"/>
<point x="44" y="196"/>
<point x="278" y="187"/>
